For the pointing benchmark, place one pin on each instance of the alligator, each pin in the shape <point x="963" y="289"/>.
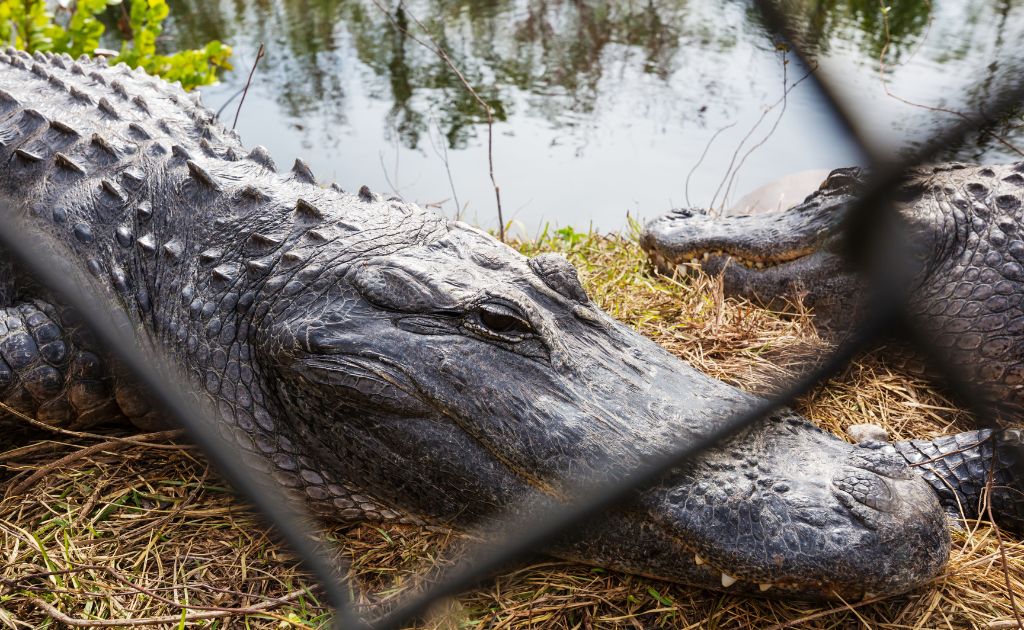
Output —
<point x="387" y="363"/>
<point x="963" y="224"/>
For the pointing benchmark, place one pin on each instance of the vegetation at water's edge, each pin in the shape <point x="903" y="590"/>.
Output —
<point x="77" y="27"/>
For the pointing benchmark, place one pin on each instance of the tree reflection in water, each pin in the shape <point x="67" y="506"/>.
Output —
<point x="587" y="69"/>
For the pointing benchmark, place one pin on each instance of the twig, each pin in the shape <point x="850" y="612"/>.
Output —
<point x="436" y="48"/>
<point x="248" y="82"/>
<point x="79" y="454"/>
<point x="76" y="434"/>
<point x="987" y="497"/>
<point x="387" y="177"/>
<point x="225" y="104"/>
<point x="830" y="611"/>
<point x="707" y="147"/>
<point x="732" y="163"/>
<point x="771" y="132"/>
<point x="443" y="154"/>
<point x="932" y="108"/>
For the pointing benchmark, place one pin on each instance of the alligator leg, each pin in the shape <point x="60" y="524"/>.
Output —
<point x="46" y="374"/>
<point x="958" y="467"/>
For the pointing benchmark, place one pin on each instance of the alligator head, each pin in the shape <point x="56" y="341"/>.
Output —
<point x="455" y="379"/>
<point x="774" y="258"/>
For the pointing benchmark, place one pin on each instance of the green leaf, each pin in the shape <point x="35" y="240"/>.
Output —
<point x="31" y="26"/>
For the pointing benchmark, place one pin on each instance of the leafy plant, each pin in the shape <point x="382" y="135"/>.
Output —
<point x="75" y="27"/>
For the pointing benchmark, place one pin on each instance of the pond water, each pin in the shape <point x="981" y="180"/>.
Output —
<point x="603" y="109"/>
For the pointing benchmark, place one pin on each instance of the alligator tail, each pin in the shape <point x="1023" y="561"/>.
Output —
<point x="959" y="467"/>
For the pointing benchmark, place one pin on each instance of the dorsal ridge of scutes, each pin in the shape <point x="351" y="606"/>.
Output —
<point x="131" y="109"/>
<point x="261" y="156"/>
<point x="307" y="210"/>
<point x="202" y="175"/>
<point x="301" y="172"/>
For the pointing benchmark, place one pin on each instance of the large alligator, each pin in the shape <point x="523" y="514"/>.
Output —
<point x="388" y="363"/>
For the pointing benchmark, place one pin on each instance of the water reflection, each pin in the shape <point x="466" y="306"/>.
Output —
<point x="603" y="107"/>
<point x="862" y="23"/>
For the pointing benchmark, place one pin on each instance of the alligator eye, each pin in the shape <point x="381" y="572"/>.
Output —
<point x="501" y="319"/>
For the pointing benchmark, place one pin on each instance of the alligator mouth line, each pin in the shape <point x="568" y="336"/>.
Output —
<point x="749" y="260"/>
<point x="727" y="579"/>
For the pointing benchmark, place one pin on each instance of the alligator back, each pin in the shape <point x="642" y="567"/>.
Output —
<point x="132" y="179"/>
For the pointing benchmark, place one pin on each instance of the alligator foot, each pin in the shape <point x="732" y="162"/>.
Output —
<point x="960" y="467"/>
<point x="46" y="375"/>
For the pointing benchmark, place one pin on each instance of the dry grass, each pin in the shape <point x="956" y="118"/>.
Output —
<point x="130" y="531"/>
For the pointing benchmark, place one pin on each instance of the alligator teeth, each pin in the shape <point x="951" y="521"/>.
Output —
<point x="728" y="580"/>
<point x="698" y="560"/>
<point x="707" y="255"/>
<point x="764" y="586"/>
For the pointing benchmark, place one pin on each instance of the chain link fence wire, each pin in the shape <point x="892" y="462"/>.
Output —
<point x="875" y="246"/>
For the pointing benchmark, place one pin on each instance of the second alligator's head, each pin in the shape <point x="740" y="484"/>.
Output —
<point x="773" y="258"/>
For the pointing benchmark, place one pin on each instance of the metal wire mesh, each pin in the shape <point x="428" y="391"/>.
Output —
<point x="868" y="231"/>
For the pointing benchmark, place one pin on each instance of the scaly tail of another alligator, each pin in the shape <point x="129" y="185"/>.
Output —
<point x="959" y="467"/>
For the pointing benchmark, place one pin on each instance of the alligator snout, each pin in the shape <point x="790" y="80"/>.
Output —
<point x="790" y="507"/>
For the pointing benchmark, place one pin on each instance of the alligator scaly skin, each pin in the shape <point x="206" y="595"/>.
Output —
<point x="114" y="167"/>
<point x="959" y="466"/>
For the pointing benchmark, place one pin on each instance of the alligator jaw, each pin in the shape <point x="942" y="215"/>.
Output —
<point x="774" y="258"/>
<point x="750" y="517"/>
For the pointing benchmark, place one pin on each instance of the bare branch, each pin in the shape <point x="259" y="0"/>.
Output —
<point x="248" y="82"/>
<point x="432" y="45"/>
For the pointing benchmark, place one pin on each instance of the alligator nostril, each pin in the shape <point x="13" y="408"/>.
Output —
<point x="881" y="459"/>
<point x="867" y="488"/>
